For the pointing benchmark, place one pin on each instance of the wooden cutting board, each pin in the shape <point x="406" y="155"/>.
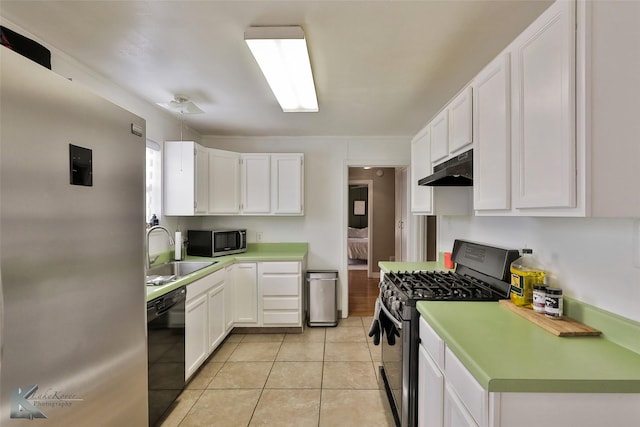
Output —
<point x="564" y="327"/>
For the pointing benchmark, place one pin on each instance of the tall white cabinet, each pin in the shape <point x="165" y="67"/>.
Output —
<point x="543" y="110"/>
<point x="571" y="153"/>
<point x="256" y="184"/>
<point x="287" y="184"/>
<point x="492" y="136"/>
<point x="421" y="201"/>
<point x="224" y="182"/>
<point x="186" y="183"/>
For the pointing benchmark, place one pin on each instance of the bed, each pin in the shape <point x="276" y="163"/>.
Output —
<point x="358" y="244"/>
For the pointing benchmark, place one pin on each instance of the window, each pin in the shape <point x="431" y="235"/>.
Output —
<point x="153" y="186"/>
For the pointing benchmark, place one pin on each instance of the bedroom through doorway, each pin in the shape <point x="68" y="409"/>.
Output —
<point x="371" y="233"/>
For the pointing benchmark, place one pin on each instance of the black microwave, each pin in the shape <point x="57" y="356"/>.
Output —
<point x="212" y="243"/>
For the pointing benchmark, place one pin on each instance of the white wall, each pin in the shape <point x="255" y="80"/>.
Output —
<point x="323" y="225"/>
<point x="594" y="260"/>
<point x="161" y="125"/>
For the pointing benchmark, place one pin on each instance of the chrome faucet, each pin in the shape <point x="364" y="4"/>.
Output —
<point x="149" y="231"/>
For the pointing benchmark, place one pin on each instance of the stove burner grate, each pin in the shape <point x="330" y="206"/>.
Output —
<point x="442" y="285"/>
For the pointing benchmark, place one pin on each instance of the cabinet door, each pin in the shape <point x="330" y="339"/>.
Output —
<point x="430" y="391"/>
<point x="421" y="196"/>
<point x="460" y="121"/>
<point x="217" y="323"/>
<point x="287" y="183"/>
<point x="455" y="414"/>
<point x="492" y="141"/>
<point x="196" y="334"/>
<point x="245" y="291"/>
<point x="543" y="108"/>
<point x="440" y="136"/>
<point x="202" y="180"/>
<point x="224" y="182"/>
<point x="228" y="299"/>
<point x="256" y="174"/>
<point x="179" y="171"/>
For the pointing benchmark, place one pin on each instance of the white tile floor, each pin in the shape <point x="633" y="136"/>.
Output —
<point x="322" y="377"/>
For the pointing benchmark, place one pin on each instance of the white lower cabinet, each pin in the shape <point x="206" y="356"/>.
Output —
<point x="430" y="391"/>
<point x="205" y="325"/>
<point x="217" y="325"/>
<point x="281" y="284"/>
<point x="196" y="334"/>
<point x="449" y="396"/>
<point x="229" y="306"/>
<point x="245" y="294"/>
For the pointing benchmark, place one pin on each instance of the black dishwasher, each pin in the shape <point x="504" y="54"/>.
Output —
<point x="165" y="348"/>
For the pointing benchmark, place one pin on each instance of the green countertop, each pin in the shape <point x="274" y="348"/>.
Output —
<point x="507" y="353"/>
<point x="256" y="252"/>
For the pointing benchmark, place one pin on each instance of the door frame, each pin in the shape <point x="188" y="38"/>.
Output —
<point x="369" y="184"/>
<point x="344" y="289"/>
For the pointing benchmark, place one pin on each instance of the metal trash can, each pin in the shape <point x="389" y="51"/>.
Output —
<point x="322" y="297"/>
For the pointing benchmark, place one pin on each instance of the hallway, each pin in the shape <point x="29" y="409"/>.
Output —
<point x="363" y="292"/>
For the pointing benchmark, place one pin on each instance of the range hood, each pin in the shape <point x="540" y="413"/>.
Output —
<point x="456" y="172"/>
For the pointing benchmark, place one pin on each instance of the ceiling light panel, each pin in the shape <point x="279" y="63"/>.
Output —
<point x="281" y="53"/>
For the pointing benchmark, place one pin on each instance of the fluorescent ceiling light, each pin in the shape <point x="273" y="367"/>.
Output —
<point x="281" y="53"/>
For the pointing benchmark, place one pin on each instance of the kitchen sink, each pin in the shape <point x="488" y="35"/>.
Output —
<point x="168" y="272"/>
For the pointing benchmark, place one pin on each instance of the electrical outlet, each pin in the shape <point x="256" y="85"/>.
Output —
<point x="259" y="236"/>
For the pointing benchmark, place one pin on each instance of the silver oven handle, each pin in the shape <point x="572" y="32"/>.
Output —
<point x="242" y="240"/>
<point x="393" y="320"/>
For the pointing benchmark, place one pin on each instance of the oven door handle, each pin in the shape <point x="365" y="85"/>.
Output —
<point x="393" y="320"/>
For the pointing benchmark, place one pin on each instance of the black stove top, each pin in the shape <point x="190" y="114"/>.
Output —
<point x="443" y="286"/>
<point x="482" y="274"/>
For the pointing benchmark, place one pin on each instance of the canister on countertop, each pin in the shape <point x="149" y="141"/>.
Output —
<point x="553" y="303"/>
<point x="540" y="298"/>
<point x="526" y="272"/>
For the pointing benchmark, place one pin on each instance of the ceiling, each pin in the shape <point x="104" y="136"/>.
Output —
<point x="381" y="68"/>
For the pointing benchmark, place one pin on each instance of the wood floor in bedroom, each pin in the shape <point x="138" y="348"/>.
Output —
<point x="363" y="292"/>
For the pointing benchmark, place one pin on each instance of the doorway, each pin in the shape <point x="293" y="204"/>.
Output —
<point x="371" y="233"/>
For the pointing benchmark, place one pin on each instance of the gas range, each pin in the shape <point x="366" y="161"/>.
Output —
<point x="481" y="274"/>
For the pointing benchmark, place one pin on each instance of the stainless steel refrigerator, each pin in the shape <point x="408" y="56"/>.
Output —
<point x="72" y="294"/>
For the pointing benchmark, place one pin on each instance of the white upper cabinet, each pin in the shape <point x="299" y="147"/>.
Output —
<point x="460" y="121"/>
<point x="421" y="196"/>
<point x="186" y="178"/>
<point x="273" y="184"/>
<point x="452" y="128"/>
<point x="287" y="184"/>
<point x="256" y="183"/>
<point x="440" y="136"/>
<point x="224" y="182"/>
<point x="208" y="181"/>
<point x="573" y="152"/>
<point x="543" y="111"/>
<point x="492" y="141"/>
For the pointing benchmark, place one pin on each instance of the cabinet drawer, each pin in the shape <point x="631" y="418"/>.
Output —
<point x="204" y="284"/>
<point x="281" y="303"/>
<point x="280" y="317"/>
<point x="473" y="396"/>
<point x="432" y="343"/>
<point x="280" y="267"/>
<point x="280" y="285"/>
